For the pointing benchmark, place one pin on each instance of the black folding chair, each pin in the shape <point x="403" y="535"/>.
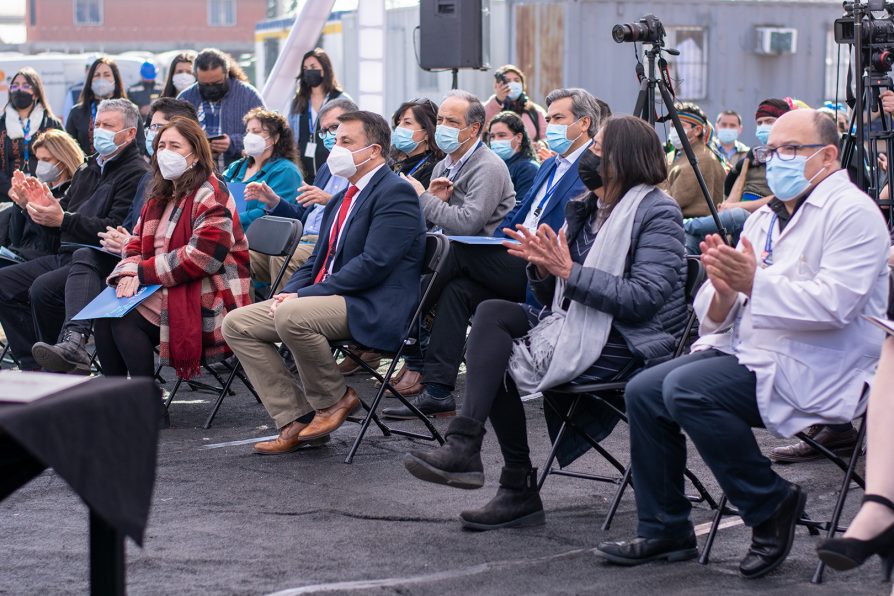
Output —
<point x="437" y="246"/>
<point x="5" y="353"/>
<point x="609" y="393"/>
<point x="274" y="237"/>
<point x="814" y="527"/>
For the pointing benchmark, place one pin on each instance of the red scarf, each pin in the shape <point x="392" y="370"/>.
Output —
<point x="185" y="306"/>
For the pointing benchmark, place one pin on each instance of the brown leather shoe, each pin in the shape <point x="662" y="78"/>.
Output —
<point x="288" y="441"/>
<point x="409" y="385"/>
<point x="841" y="443"/>
<point x="348" y="367"/>
<point x="326" y="421"/>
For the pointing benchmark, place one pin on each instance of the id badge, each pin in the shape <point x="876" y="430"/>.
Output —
<point x="310" y="150"/>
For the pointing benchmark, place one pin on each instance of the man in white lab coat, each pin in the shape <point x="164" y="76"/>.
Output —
<point x="784" y="345"/>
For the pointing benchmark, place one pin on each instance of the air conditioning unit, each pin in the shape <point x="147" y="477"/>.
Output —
<point x="773" y="41"/>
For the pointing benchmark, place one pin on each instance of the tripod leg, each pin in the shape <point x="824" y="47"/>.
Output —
<point x="693" y="161"/>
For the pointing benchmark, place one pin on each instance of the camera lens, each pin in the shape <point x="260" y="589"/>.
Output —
<point x="622" y="33"/>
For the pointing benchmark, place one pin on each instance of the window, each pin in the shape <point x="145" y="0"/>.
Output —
<point x="87" y="12"/>
<point x="838" y="58"/>
<point x="689" y="70"/>
<point x="221" y="13"/>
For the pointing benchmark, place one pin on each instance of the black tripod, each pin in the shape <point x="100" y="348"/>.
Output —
<point x="645" y="109"/>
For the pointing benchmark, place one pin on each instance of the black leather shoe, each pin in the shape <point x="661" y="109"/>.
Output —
<point x="646" y="550"/>
<point x="428" y="405"/>
<point x="772" y="540"/>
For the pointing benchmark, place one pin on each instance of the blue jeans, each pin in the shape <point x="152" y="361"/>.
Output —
<point x="711" y="397"/>
<point x="699" y="227"/>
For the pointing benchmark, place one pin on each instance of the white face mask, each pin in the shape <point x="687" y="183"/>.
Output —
<point x="341" y="161"/>
<point x="46" y="172"/>
<point x="182" y="80"/>
<point x="254" y="144"/>
<point x="171" y="164"/>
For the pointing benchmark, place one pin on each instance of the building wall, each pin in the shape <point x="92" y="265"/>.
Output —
<point x="140" y="25"/>
<point x="737" y="77"/>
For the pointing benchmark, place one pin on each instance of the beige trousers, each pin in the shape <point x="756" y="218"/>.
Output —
<point x="264" y="267"/>
<point x="305" y="325"/>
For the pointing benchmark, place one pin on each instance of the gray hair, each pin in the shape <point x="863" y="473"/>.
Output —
<point x="475" y="111"/>
<point x="342" y="103"/>
<point x="127" y="108"/>
<point x="582" y="104"/>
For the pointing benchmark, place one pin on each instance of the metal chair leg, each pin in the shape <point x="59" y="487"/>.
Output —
<point x="548" y="466"/>
<point x="173" y="393"/>
<point x="616" y="500"/>
<point x="712" y="534"/>
<point x="224" y="391"/>
<point x="842" y="497"/>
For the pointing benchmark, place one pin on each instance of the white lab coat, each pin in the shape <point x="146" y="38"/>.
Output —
<point x="802" y="332"/>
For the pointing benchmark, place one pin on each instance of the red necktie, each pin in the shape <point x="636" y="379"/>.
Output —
<point x="333" y="236"/>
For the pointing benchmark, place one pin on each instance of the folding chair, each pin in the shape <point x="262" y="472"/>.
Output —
<point x="5" y="353"/>
<point x="274" y="237"/>
<point x="695" y="277"/>
<point x="831" y="527"/>
<point x="437" y="246"/>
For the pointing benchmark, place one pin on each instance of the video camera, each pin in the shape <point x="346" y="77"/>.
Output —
<point x="877" y="27"/>
<point x="647" y="30"/>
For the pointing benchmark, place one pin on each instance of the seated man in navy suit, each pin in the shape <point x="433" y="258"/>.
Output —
<point x="475" y="273"/>
<point x="312" y="199"/>
<point x="361" y="282"/>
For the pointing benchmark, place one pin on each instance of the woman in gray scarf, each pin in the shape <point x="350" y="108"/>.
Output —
<point x="614" y="281"/>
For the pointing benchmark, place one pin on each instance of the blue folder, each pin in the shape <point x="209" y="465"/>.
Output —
<point x="109" y="306"/>
<point x="237" y="189"/>
<point x="481" y="240"/>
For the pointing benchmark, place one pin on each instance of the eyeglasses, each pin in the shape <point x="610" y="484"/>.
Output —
<point x="21" y="87"/>
<point x="324" y="131"/>
<point x="157" y="126"/>
<point x="764" y="153"/>
<point x="424" y="102"/>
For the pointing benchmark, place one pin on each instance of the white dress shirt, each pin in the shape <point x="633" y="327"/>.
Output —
<point x="563" y="164"/>
<point x="360" y="184"/>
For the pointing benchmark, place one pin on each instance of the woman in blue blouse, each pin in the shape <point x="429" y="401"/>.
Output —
<point x="510" y="141"/>
<point x="270" y="157"/>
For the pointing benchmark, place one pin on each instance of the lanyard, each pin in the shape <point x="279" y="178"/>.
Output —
<point x="767" y="255"/>
<point x="454" y="173"/>
<point x="418" y="165"/>
<point x="550" y="190"/>
<point x="26" y="128"/>
<point x="310" y="114"/>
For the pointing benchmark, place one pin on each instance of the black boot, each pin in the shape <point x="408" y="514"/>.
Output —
<point x="517" y="503"/>
<point x="426" y="403"/>
<point x="772" y="540"/>
<point x="67" y="356"/>
<point x="457" y="462"/>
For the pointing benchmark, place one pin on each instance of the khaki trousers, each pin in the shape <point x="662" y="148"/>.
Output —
<point x="305" y="325"/>
<point x="264" y="267"/>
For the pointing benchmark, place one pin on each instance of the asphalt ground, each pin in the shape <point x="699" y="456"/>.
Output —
<point x="227" y="521"/>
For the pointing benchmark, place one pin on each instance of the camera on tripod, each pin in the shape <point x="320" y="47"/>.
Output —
<point x="877" y="32"/>
<point x="647" y="30"/>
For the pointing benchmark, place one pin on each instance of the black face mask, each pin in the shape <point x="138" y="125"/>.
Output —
<point x="312" y="77"/>
<point x="21" y="100"/>
<point x="588" y="169"/>
<point x="214" y="91"/>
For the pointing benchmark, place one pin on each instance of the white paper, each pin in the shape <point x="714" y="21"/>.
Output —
<point x="310" y="150"/>
<point x="25" y="387"/>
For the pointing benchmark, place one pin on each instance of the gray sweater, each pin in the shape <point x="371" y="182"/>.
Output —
<point x="482" y="196"/>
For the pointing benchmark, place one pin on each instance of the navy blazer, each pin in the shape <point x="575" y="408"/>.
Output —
<point x="296" y="210"/>
<point x="568" y="187"/>
<point x="378" y="262"/>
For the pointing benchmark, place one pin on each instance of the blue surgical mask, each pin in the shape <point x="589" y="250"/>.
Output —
<point x="786" y="178"/>
<point x="515" y="90"/>
<point x="447" y="138"/>
<point x="503" y="149"/>
<point x="402" y="140"/>
<point x="557" y="137"/>
<point x="727" y="136"/>
<point x="150" y="137"/>
<point x="329" y="140"/>
<point x="763" y="133"/>
<point x="104" y="141"/>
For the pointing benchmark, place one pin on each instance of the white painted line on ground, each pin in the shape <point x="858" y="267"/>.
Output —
<point x="702" y="529"/>
<point x="239" y="442"/>
<point x="428" y="578"/>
